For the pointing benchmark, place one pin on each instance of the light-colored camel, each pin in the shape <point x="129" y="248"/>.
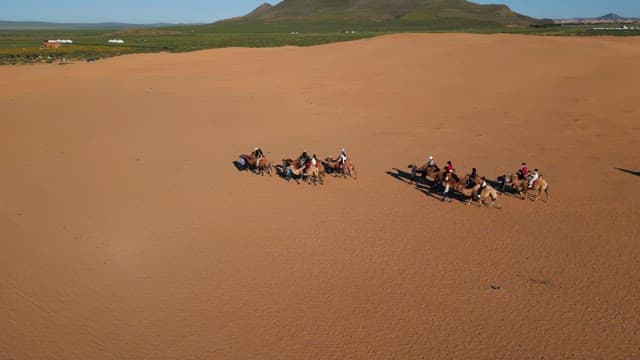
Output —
<point x="540" y="185"/>
<point x="296" y="164"/>
<point x="488" y="193"/>
<point x="312" y="174"/>
<point x="469" y="193"/>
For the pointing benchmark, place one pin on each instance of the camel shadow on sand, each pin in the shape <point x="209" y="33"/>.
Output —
<point x="636" y="173"/>
<point x="239" y="166"/>
<point x="433" y="190"/>
<point x="425" y="186"/>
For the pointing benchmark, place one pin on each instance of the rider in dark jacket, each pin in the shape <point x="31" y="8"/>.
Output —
<point x="472" y="177"/>
<point x="302" y="159"/>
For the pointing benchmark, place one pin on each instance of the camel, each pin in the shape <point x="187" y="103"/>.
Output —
<point x="540" y="185"/>
<point x="452" y="181"/>
<point x="469" y="193"/>
<point x="488" y="193"/>
<point x="348" y="167"/>
<point x="312" y="173"/>
<point x="264" y="165"/>
<point x="432" y="172"/>
<point x="514" y="181"/>
<point x="296" y="164"/>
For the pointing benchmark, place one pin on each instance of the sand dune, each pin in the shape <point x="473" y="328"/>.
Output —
<point x="127" y="233"/>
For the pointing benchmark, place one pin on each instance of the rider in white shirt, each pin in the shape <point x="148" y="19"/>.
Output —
<point x="343" y="157"/>
<point x="431" y="162"/>
<point x="534" y="177"/>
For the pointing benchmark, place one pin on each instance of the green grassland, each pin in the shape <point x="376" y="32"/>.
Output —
<point x="23" y="46"/>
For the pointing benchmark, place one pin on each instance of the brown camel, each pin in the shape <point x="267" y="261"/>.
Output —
<point x="425" y="171"/>
<point x="263" y="166"/>
<point x="348" y="168"/>
<point x="514" y="181"/>
<point x="451" y="181"/>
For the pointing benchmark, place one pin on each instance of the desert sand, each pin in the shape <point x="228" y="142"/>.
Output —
<point x="127" y="233"/>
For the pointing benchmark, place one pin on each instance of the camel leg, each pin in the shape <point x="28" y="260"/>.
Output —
<point x="498" y="206"/>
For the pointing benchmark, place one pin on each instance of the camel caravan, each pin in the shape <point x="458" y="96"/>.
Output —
<point x="304" y="168"/>
<point x="473" y="187"/>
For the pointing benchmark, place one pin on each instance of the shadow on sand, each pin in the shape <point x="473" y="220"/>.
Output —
<point x="430" y="188"/>
<point x="239" y="166"/>
<point x="636" y="173"/>
<point x="425" y="186"/>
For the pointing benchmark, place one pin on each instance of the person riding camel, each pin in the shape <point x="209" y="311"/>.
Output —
<point x="307" y="164"/>
<point x="523" y="172"/>
<point x="302" y="159"/>
<point x="342" y="158"/>
<point x="257" y="154"/>
<point x="431" y="163"/>
<point x="449" y="167"/>
<point x="471" y="181"/>
<point x="483" y="185"/>
<point x="534" y="177"/>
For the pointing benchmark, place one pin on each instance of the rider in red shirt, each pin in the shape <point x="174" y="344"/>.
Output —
<point x="449" y="167"/>
<point x="523" y="172"/>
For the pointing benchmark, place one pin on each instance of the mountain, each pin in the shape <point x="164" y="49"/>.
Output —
<point x="611" y="16"/>
<point x="446" y="14"/>
<point x="41" y="25"/>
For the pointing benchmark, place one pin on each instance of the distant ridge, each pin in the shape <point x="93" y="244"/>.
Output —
<point x="446" y="14"/>
<point x="611" y="16"/>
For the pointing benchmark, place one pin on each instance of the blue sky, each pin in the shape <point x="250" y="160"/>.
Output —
<point x="151" y="11"/>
